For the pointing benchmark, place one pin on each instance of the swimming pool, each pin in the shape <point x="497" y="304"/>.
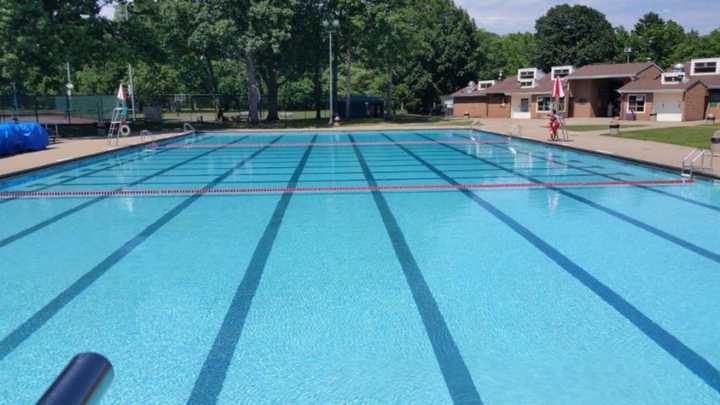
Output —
<point x="363" y="267"/>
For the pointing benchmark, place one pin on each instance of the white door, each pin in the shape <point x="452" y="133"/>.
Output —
<point x="668" y="106"/>
<point x="520" y="107"/>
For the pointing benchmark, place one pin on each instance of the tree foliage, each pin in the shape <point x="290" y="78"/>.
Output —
<point x="573" y="35"/>
<point x="274" y="53"/>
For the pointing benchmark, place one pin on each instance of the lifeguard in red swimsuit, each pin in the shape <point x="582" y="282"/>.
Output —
<point x="554" y="126"/>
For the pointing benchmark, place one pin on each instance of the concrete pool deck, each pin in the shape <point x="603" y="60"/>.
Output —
<point x="662" y="154"/>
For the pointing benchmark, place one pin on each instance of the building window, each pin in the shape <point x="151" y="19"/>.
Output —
<point x="486" y="84"/>
<point x="524" y="105"/>
<point x="705" y="67"/>
<point x="545" y="104"/>
<point x="560" y="73"/>
<point x="672" y="78"/>
<point x="526" y="84"/>
<point x="636" y="103"/>
<point x="527" y="75"/>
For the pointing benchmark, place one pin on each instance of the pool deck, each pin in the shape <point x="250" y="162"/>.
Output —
<point x="68" y="149"/>
<point x="661" y="154"/>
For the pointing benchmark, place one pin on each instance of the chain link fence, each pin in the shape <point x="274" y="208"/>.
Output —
<point x="97" y="109"/>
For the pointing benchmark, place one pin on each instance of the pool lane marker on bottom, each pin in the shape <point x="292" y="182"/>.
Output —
<point x="35" y="322"/>
<point x="57" y="217"/>
<point x="608" y="176"/>
<point x="708" y="254"/>
<point x="452" y="365"/>
<point x="209" y="382"/>
<point x="689" y="358"/>
<point x="327" y="189"/>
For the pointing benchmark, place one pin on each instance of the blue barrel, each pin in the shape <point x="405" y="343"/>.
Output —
<point x="83" y="380"/>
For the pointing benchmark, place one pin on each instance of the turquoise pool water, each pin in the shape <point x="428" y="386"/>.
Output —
<point x="363" y="267"/>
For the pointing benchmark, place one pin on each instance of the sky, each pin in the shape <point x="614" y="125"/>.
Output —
<point x="506" y="16"/>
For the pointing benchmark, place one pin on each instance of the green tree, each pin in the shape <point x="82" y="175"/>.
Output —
<point x="569" y="35"/>
<point x="655" y="39"/>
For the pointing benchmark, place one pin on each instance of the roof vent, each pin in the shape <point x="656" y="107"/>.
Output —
<point x="471" y="87"/>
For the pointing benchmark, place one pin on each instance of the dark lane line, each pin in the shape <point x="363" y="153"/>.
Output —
<point x="454" y="370"/>
<point x="209" y="382"/>
<point x="692" y="360"/>
<point x="35" y="322"/>
<point x="27" y="231"/>
<point x="623" y="217"/>
<point x="611" y="177"/>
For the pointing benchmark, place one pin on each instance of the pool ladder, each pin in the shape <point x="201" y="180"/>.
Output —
<point x="690" y="163"/>
<point x="187" y="127"/>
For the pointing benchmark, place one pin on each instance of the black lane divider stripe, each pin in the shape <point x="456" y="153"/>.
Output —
<point x="209" y="382"/>
<point x="35" y="322"/>
<point x="27" y="231"/>
<point x="623" y="217"/>
<point x="692" y="360"/>
<point x="454" y="370"/>
<point x="611" y="177"/>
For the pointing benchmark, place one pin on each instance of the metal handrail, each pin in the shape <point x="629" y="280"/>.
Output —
<point x="189" y="128"/>
<point x="689" y="163"/>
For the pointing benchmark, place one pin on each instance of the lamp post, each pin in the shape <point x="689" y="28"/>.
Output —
<point x="331" y="26"/>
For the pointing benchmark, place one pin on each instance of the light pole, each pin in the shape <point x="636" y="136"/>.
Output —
<point x="331" y="26"/>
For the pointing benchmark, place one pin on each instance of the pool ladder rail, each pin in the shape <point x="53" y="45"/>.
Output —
<point x="690" y="165"/>
<point x="187" y="127"/>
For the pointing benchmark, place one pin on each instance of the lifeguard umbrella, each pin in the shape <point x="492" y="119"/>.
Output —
<point x="121" y="94"/>
<point x="558" y="92"/>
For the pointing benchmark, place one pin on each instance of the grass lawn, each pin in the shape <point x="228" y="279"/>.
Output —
<point x="696" y="137"/>
<point x="595" y="127"/>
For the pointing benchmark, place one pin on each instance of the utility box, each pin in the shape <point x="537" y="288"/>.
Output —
<point x="715" y="143"/>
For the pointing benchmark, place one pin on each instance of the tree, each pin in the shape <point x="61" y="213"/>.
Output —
<point x="655" y="39"/>
<point x="573" y="35"/>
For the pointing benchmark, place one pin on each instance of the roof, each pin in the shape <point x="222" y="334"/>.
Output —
<point x="465" y="92"/>
<point x="512" y="86"/>
<point x="610" y="70"/>
<point x="711" y="82"/>
<point x="362" y="98"/>
<point x="654" y="84"/>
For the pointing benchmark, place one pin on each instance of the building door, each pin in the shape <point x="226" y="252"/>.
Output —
<point x="520" y="107"/>
<point x="668" y="106"/>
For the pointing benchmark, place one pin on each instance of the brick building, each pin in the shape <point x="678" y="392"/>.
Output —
<point x="639" y="91"/>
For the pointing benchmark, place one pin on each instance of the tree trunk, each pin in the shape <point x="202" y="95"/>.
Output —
<point x="348" y="85"/>
<point x="219" y="116"/>
<point x="318" y="92"/>
<point x="253" y="90"/>
<point x="272" y="95"/>
<point x="389" y="107"/>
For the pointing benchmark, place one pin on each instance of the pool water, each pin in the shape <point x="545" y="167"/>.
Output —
<point x="363" y="267"/>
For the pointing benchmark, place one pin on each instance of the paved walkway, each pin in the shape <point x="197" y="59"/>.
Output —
<point x="65" y="150"/>
<point x="667" y="155"/>
<point x="663" y="154"/>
